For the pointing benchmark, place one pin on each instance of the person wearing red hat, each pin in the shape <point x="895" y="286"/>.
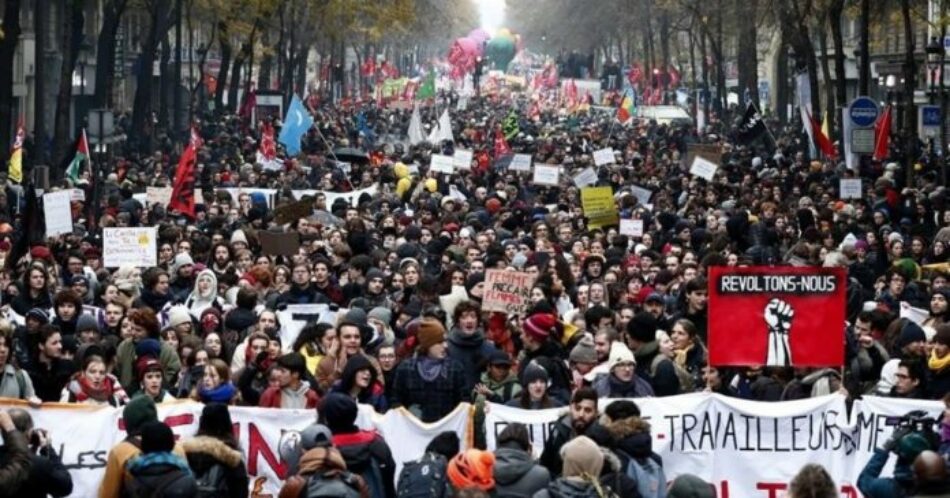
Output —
<point x="151" y="378"/>
<point x="536" y="337"/>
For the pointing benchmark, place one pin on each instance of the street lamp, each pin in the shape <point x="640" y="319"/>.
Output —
<point x="934" y="55"/>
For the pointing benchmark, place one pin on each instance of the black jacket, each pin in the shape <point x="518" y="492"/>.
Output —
<point x="430" y="401"/>
<point x="360" y="450"/>
<point x="159" y="475"/>
<point x="204" y="452"/>
<point x="14" y="463"/>
<point x="561" y="433"/>
<point x="49" y="380"/>
<point x="48" y="476"/>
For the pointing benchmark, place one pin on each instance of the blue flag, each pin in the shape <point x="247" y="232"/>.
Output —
<point x="296" y="123"/>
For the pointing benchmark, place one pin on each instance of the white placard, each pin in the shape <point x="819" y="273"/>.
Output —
<point x="59" y="217"/>
<point x="462" y="159"/>
<point x="77" y="194"/>
<point x="129" y="246"/>
<point x="703" y="168"/>
<point x="633" y="228"/>
<point x="586" y="177"/>
<point x="520" y="162"/>
<point x="158" y="195"/>
<point x="545" y="174"/>
<point x="850" y="188"/>
<point x="643" y="195"/>
<point x="413" y="169"/>
<point x="455" y="194"/>
<point x="604" y="156"/>
<point x="442" y="164"/>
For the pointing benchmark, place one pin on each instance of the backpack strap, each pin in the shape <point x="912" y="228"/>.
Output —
<point x="20" y="382"/>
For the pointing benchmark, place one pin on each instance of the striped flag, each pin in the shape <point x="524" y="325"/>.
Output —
<point x="15" y="165"/>
<point x="82" y="154"/>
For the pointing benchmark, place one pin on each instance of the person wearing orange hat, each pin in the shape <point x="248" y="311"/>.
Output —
<point x="430" y="384"/>
<point x="472" y="469"/>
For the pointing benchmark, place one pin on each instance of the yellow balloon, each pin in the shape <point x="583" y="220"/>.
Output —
<point x="401" y="170"/>
<point x="402" y="186"/>
<point x="432" y="185"/>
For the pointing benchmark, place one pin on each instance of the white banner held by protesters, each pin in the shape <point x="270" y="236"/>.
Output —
<point x="520" y="162"/>
<point x="295" y="317"/>
<point x="462" y="159"/>
<point x="129" y="246"/>
<point x="442" y="164"/>
<point x="586" y="177"/>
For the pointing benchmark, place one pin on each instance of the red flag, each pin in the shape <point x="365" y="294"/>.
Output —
<point x="268" y="148"/>
<point x="882" y="135"/>
<point x="501" y="146"/>
<point x="824" y="143"/>
<point x="183" y="190"/>
<point x="247" y="108"/>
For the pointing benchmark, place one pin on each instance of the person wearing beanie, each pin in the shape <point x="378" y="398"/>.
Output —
<point x="497" y="384"/>
<point x="583" y="462"/>
<point x="359" y="381"/>
<point x="583" y="359"/>
<point x="215" y="445"/>
<point x="181" y="277"/>
<point x="135" y="415"/>
<point x="429" y="384"/>
<point x="690" y="486"/>
<point x="293" y="390"/>
<point x="536" y="336"/>
<point x="150" y="375"/>
<point x="158" y="471"/>
<point x="910" y="344"/>
<point x="87" y="329"/>
<point x="374" y="292"/>
<point x="641" y="340"/>
<point x="535" y="394"/>
<point x="622" y="381"/>
<point x="366" y="453"/>
<point x="472" y="469"/>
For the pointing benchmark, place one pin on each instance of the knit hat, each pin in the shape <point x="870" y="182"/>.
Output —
<point x="382" y="314"/>
<point x="375" y="273"/>
<point x="910" y="332"/>
<point x="86" y="322"/>
<point x="39" y="315"/>
<point x="157" y="437"/>
<point x="690" y="486"/>
<point x="912" y="445"/>
<point x="620" y="354"/>
<point x="178" y="315"/>
<point x="215" y="419"/>
<point x="181" y="259"/>
<point x="430" y="333"/>
<point x="238" y="237"/>
<point x="472" y="469"/>
<point x="473" y="280"/>
<point x="582" y="456"/>
<point x="146" y="364"/>
<point x="148" y="347"/>
<point x="534" y="372"/>
<point x="137" y="413"/>
<point x="642" y="327"/>
<point x="338" y="412"/>
<point x="539" y="326"/>
<point x="584" y="351"/>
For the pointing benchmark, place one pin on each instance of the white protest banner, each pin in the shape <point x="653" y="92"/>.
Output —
<point x="352" y="198"/>
<point x="850" y="188"/>
<point x="586" y="177"/>
<point x="77" y="194"/>
<point x="294" y="317"/>
<point x="408" y="436"/>
<point x="545" y="174"/>
<point x="703" y="168"/>
<point x="643" y="195"/>
<point x="633" y="228"/>
<point x="58" y="214"/>
<point x="442" y="164"/>
<point x="462" y="159"/>
<point x="604" y="156"/>
<point x="158" y="195"/>
<point x="520" y="162"/>
<point x="129" y="246"/>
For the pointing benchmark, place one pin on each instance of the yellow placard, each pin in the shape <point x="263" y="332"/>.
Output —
<point x="599" y="207"/>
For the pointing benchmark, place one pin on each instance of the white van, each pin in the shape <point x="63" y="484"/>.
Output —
<point x="665" y="114"/>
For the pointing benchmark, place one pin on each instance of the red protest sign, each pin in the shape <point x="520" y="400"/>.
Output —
<point x="777" y="316"/>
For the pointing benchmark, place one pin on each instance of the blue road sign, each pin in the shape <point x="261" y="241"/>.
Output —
<point x="930" y="115"/>
<point x="863" y="112"/>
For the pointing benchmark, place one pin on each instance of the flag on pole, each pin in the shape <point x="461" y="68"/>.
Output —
<point x="824" y="143"/>
<point x="267" y="151"/>
<point x="882" y="135"/>
<point x="751" y="125"/>
<point x="82" y="154"/>
<point x="427" y="90"/>
<point x="415" y="127"/>
<point x="15" y="165"/>
<point x="296" y="123"/>
<point x="625" y="111"/>
<point x="183" y="190"/>
<point x="501" y="145"/>
<point x="511" y="127"/>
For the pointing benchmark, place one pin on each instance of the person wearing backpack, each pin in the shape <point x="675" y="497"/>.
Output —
<point x="516" y="474"/>
<point x="426" y="477"/>
<point x="583" y="462"/>
<point x="157" y="472"/>
<point x="365" y="452"/>
<point x="321" y="470"/>
<point x="215" y="457"/>
<point x="633" y="444"/>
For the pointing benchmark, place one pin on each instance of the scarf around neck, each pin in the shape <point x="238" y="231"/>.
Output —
<point x="220" y="394"/>
<point x="938" y="364"/>
<point x="83" y="389"/>
<point x="430" y="368"/>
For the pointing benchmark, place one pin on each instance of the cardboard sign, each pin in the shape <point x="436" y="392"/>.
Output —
<point x="850" y="188"/>
<point x="507" y="291"/>
<point x="158" y="195"/>
<point x="604" y="156"/>
<point x="633" y="228"/>
<point x="790" y="316"/>
<point x="643" y="195"/>
<point x="703" y="168"/>
<point x="129" y="246"/>
<point x="77" y="194"/>
<point x="462" y="159"/>
<point x="288" y="213"/>
<point x="545" y="174"/>
<point x="586" y="177"/>
<point x="520" y="162"/>
<point x="279" y="243"/>
<point x="56" y="209"/>
<point x="599" y="207"/>
<point x="710" y="152"/>
<point x="442" y="164"/>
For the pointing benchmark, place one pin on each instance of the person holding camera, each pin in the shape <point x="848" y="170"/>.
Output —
<point x="14" y="458"/>
<point x="907" y="442"/>
<point x="47" y="476"/>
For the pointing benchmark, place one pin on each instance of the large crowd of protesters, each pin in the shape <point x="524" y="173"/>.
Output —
<point x="610" y="315"/>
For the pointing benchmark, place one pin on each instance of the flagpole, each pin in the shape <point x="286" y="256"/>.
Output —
<point x="610" y="132"/>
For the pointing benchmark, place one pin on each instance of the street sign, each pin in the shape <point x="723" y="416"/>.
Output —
<point x="863" y="112"/>
<point x="928" y="121"/>
<point x="862" y="141"/>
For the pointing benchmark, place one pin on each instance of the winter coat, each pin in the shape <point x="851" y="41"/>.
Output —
<point x="501" y="392"/>
<point x="272" y="397"/>
<point x="327" y="462"/>
<point x="14" y="462"/>
<point x="632" y="441"/>
<point x="160" y="471"/>
<point x="938" y="383"/>
<point x="662" y="378"/>
<point x="560" y="434"/>
<point x="49" y="380"/>
<point x="570" y="487"/>
<point x="429" y="400"/>
<point x="11" y="380"/>
<point x="119" y="456"/>
<point x="48" y="476"/>
<point x="239" y="320"/>
<point x="614" y="476"/>
<point x="203" y="452"/>
<point x="125" y="365"/>
<point x="471" y="351"/>
<point x="296" y="295"/>
<point x="872" y="485"/>
<point x="360" y="449"/>
<point x="516" y="474"/>
<point x="609" y="386"/>
<point x="374" y="395"/>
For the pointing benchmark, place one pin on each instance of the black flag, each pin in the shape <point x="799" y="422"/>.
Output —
<point x="751" y="126"/>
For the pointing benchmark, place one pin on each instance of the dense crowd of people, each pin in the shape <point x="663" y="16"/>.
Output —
<point x="403" y="269"/>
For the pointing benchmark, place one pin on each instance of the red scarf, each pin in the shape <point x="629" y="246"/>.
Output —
<point x="87" y="391"/>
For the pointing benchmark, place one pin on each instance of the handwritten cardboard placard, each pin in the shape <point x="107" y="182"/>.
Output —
<point x="520" y="162"/>
<point x="710" y="152"/>
<point x="850" y="188"/>
<point x="633" y="228"/>
<point x="158" y="195"/>
<point x="56" y="209"/>
<point x="586" y="177"/>
<point x="546" y="174"/>
<point x="135" y="246"/>
<point x="442" y="164"/>
<point x="599" y="206"/>
<point x="643" y="195"/>
<point x="604" y="156"/>
<point x="703" y="168"/>
<point x="462" y="159"/>
<point x="507" y="291"/>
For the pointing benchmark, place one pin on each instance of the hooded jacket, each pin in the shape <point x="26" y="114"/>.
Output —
<point x="632" y="441"/>
<point x="197" y="303"/>
<point x="302" y="397"/>
<point x="471" y="351"/>
<point x="360" y="449"/>
<point x="203" y="452"/>
<point x="374" y="395"/>
<point x="517" y="475"/>
<point x="148" y="473"/>
<point x="326" y="461"/>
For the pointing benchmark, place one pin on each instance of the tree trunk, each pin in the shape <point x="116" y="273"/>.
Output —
<point x="943" y="101"/>
<point x="910" y="84"/>
<point x="11" y="30"/>
<point x="267" y="64"/>
<point x="224" y="40"/>
<point x="73" y="20"/>
<point x="781" y="79"/>
<point x="164" y="86"/>
<point x="841" y="83"/>
<point x="826" y="75"/>
<point x="235" y="84"/>
<point x="721" y="64"/>
<point x="41" y="33"/>
<point x="664" y="39"/>
<point x="748" y="59"/>
<point x="864" y="67"/>
<point x="705" y="57"/>
<point x="105" y="51"/>
<point x="142" y="128"/>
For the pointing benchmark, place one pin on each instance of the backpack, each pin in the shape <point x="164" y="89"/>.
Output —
<point x="373" y="476"/>
<point x="423" y="478"/>
<point x="213" y="482"/>
<point x="339" y="485"/>
<point x="648" y="473"/>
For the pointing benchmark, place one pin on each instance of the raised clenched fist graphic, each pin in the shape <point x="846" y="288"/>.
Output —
<point x="778" y="317"/>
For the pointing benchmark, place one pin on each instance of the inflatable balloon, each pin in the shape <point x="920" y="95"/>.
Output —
<point x="479" y="35"/>
<point x="501" y="50"/>
<point x="463" y="55"/>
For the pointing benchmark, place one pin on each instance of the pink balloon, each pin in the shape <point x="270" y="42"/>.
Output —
<point x="479" y="35"/>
